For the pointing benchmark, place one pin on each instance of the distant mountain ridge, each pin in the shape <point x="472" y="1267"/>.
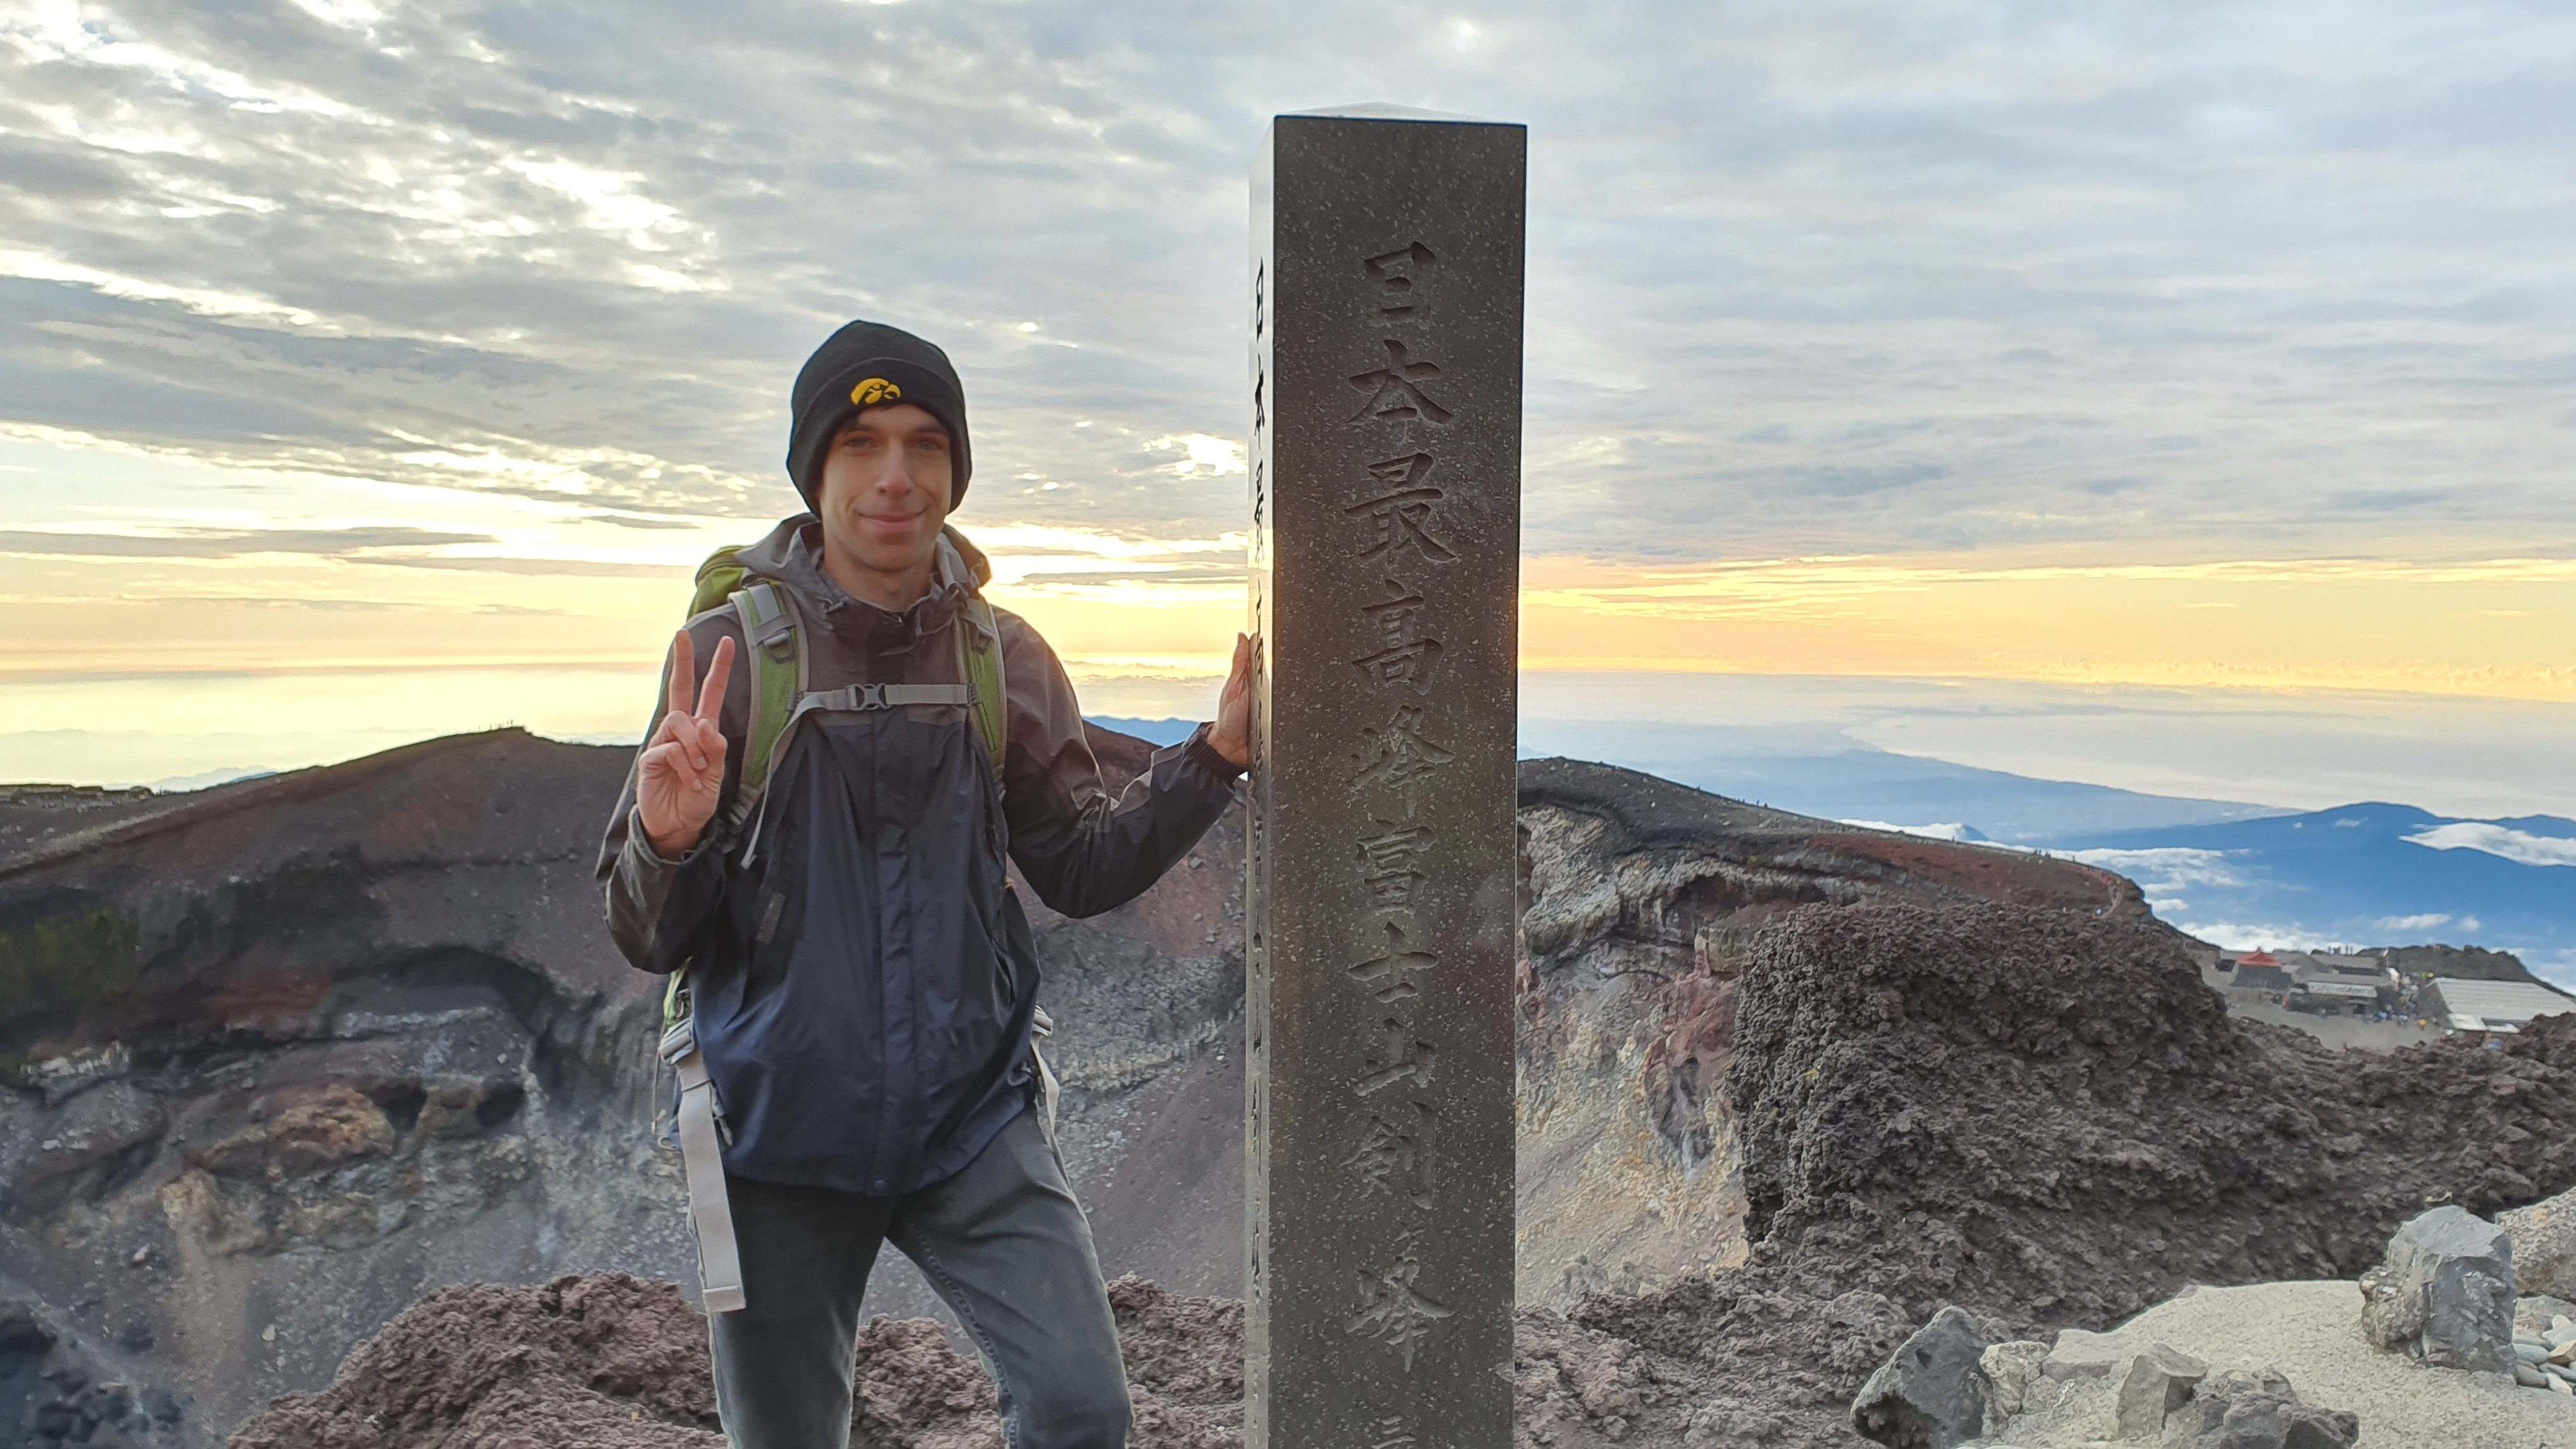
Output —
<point x="2234" y="873"/>
<point x="2373" y="873"/>
<point x="1824" y="775"/>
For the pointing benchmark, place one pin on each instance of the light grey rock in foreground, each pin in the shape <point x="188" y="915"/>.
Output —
<point x="2544" y="1244"/>
<point x="2536" y="1313"/>
<point x="2444" y="1293"/>
<point x="2257" y="1410"/>
<point x="2010" y="1370"/>
<point x="2151" y="1385"/>
<point x="2080" y="1354"/>
<point x="2306" y="1332"/>
<point x="1930" y="1394"/>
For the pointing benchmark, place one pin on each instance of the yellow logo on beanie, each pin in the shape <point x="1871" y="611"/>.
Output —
<point x="875" y="390"/>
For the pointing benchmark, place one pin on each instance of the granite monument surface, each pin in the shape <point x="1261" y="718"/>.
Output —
<point x="1385" y="481"/>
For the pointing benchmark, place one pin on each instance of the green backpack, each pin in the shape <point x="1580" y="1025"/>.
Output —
<point x="777" y="660"/>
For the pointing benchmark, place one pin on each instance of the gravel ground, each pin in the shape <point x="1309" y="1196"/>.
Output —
<point x="2312" y="1333"/>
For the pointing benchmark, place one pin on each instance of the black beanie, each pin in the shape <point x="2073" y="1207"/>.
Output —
<point x="863" y="365"/>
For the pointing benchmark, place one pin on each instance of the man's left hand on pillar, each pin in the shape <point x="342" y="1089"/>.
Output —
<point x="1231" y="736"/>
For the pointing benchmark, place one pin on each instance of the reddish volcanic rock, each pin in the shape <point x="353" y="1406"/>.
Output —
<point x="611" y="1361"/>
<point x="2044" y="1114"/>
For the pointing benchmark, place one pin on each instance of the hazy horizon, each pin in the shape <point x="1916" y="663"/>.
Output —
<point x="2274" y="749"/>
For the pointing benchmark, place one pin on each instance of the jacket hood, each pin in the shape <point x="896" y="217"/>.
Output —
<point x="792" y="554"/>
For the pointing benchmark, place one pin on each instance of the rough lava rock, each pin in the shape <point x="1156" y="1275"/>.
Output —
<point x="1640" y="902"/>
<point x="2043" y="1115"/>
<point x="2544" y="1245"/>
<point x="2152" y="1385"/>
<point x="2533" y="1312"/>
<point x="609" y="1361"/>
<point x="2010" y="1369"/>
<point x="2257" y="1410"/>
<point x="2035" y="1112"/>
<point x="1932" y="1393"/>
<point x="54" y="1388"/>
<point x="2444" y="1293"/>
<point x="1931" y="1107"/>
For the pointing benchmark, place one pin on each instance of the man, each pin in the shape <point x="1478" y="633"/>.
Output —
<point x="863" y="980"/>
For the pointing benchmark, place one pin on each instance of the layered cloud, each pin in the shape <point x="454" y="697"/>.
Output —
<point x="2167" y="874"/>
<point x="228" y="542"/>
<point x="2280" y="279"/>
<point x="2519" y="846"/>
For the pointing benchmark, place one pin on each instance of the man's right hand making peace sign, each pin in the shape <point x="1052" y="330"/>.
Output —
<point x="682" y="771"/>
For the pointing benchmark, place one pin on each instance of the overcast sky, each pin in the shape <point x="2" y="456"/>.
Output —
<point x="441" y="310"/>
<point x="1803" y="276"/>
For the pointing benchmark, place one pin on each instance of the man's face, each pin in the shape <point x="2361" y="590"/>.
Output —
<point x="885" y="488"/>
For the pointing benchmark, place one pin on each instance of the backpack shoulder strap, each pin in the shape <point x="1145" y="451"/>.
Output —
<point x="982" y="643"/>
<point x="776" y="649"/>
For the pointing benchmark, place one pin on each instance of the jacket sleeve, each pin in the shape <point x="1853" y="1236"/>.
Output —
<point x="660" y="908"/>
<point x="1082" y="851"/>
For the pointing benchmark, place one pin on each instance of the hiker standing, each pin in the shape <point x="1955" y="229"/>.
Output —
<point x="812" y="844"/>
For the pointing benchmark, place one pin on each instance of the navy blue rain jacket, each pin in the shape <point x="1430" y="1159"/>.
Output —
<point x="864" y="985"/>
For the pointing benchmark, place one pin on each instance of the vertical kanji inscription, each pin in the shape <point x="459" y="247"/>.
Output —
<point x="1385" y="401"/>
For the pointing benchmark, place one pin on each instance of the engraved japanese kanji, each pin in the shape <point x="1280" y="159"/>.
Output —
<point x="1398" y="521"/>
<point x="1398" y="1157"/>
<point x="1389" y="974"/>
<point x="1387" y="862"/>
<point x="1406" y="654"/>
<point x="1400" y="1057"/>
<point x="1394" y="1312"/>
<point x="1401" y="755"/>
<point x="1395" y="390"/>
<point x="1384" y="472"/>
<point x="1394" y="273"/>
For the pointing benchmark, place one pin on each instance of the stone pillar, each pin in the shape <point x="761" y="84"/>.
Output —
<point x="1385" y="479"/>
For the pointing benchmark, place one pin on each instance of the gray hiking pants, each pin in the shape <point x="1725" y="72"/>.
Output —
<point x="1003" y="1242"/>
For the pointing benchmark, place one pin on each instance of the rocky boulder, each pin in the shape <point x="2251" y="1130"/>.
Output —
<point x="2544" y="1245"/>
<point x="1932" y="1393"/>
<point x="2257" y="1410"/>
<point x="2535" y="1312"/>
<point x="2152" y="1385"/>
<point x="2444" y="1293"/>
<point x="2088" y="1388"/>
<point x="2010" y="1370"/>
<point x="2080" y="1354"/>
